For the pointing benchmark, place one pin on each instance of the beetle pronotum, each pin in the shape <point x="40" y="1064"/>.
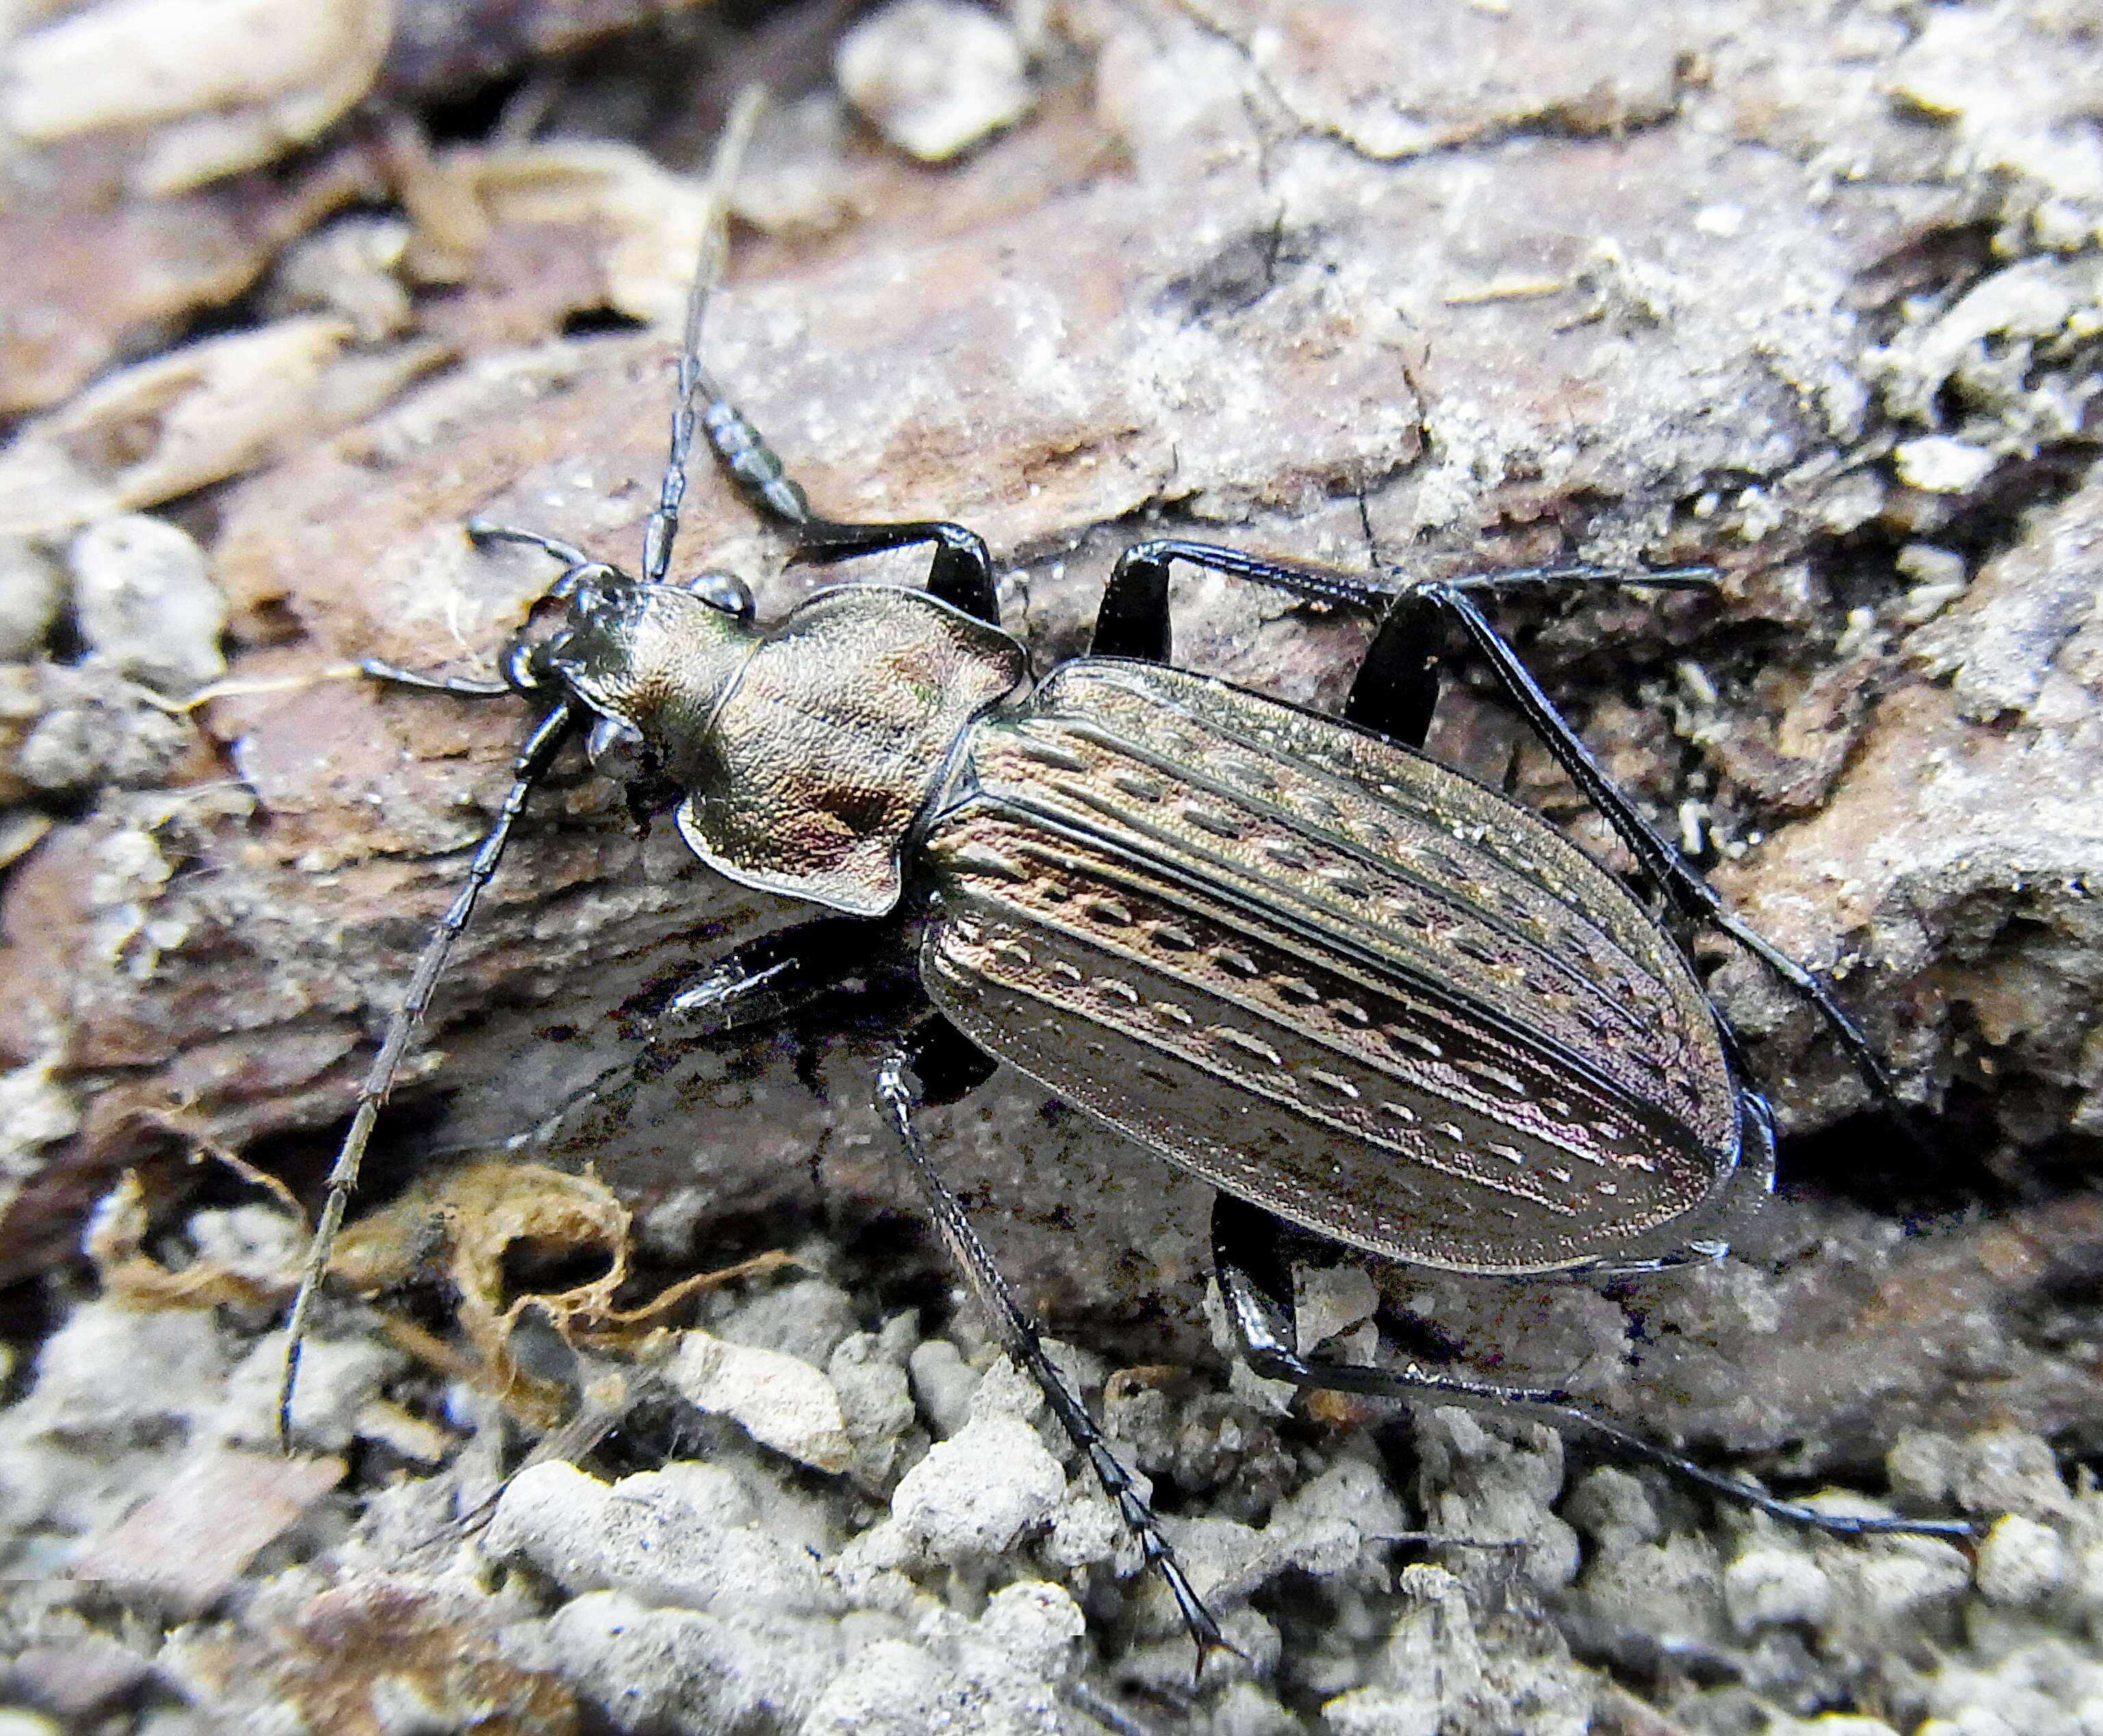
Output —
<point x="1361" y="995"/>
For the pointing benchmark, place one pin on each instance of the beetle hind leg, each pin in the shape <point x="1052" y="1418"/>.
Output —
<point x="1397" y="687"/>
<point x="1256" y="1283"/>
<point x="936" y="1053"/>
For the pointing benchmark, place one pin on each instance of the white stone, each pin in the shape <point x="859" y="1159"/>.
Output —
<point x="2020" y="1561"/>
<point x="686" y="1536"/>
<point x="1766" y="1588"/>
<point x="779" y="1400"/>
<point x="935" y="77"/>
<point x="1943" y="464"/>
<point x="977" y="1492"/>
<point x="146" y="604"/>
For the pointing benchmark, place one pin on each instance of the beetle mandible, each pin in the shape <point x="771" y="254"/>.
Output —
<point x="1361" y="995"/>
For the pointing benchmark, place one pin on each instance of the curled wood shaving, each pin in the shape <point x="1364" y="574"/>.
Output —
<point x="471" y="1221"/>
<point x="197" y="415"/>
<point x="215" y="85"/>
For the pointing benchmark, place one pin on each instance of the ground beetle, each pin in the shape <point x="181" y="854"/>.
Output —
<point x="1364" y="997"/>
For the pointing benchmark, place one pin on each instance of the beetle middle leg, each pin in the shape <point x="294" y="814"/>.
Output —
<point x="759" y="983"/>
<point x="938" y="1063"/>
<point x="1255" y="1284"/>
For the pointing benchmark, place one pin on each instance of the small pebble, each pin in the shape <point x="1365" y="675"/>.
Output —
<point x="147" y="606"/>
<point x="1943" y="464"/>
<point x="686" y="1536"/>
<point x="977" y="1492"/>
<point x="2020" y="1562"/>
<point x="806" y="1320"/>
<point x="943" y="1383"/>
<point x="1767" y="1587"/>
<point x="876" y="1404"/>
<point x="779" y="1401"/>
<point x="935" y="77"/>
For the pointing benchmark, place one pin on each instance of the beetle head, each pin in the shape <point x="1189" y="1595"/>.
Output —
<point x="651" y="660"/>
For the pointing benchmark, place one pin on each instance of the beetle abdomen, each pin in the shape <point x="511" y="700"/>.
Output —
<point x="1327" y="974"/>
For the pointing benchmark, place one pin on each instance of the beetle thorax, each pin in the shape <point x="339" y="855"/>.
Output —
<point x="838" y="728"/>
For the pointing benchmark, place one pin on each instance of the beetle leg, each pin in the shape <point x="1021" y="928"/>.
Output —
<point x="527" y="770"/>
<point x="1396" y="689"/>
<point x="1256" y="1283"/>
<point x="763" y="981"/>
<point x="481" y="531"/>
<point x="936" y="1051"/>
<point x="1132" y="621"/>
<point x="1397" y="686"/>
<point x="961" y="573"/>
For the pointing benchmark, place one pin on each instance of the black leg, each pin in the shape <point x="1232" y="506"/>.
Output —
<point x="1397" y="687"/>
<point x="936" y="1053"/>
<point x="1133" y="619"/>
<point x="1396" y="690"/>
<point x="961" y="572"/>
<point x="1690" y="895"/>
<point x="761" y="981"/>
<point x="481" y="531"/>
<point x="527" y="770"/>
<point x="1255" y="1282"/>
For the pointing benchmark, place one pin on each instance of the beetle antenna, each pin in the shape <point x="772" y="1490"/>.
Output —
<point x="527" y="769"/>
<point x="694" y="389"/>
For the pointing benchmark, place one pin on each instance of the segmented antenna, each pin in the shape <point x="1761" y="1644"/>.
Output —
<point x="695" y="388"/>
<point x="530" y="765"/>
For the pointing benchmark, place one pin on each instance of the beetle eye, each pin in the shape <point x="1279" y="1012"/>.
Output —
<point x="617" y="750"/>
<point x="723" y="591"/>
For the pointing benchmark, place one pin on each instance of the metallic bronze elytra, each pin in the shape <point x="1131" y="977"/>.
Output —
<point x="1481" y="1056"/>
<point x="1360" y="994"/>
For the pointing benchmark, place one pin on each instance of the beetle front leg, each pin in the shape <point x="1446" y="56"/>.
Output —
<point x="1256" y="1283"/>
<point x="937" y="1052"/>
<point x="960" y="571"/>
<point x="460" y="686"/>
